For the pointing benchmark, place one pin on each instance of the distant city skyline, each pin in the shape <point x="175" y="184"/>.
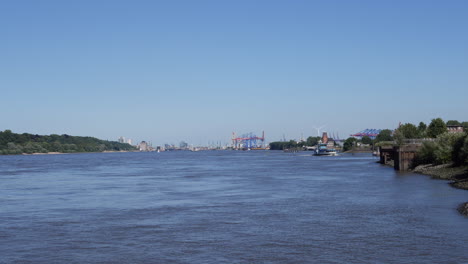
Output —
<point x="196" y="71"/>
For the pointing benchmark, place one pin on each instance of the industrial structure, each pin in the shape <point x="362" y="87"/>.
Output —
<point x="372" y="133"/>
<point x="336" y="138"/>
<point x="248" y="141"/>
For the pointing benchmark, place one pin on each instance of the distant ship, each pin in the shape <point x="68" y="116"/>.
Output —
<point x="322" y="147"/>
<point x="322" y="150"/>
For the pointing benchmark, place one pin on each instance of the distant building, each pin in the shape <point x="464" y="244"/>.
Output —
<point x="143" y="146"/>
<point x="129" y="141"/>
<point x="121" y="140"/>
<point x="455" y="129"/>
<point x="329" y="141"/>
<point x="324" y="138"/>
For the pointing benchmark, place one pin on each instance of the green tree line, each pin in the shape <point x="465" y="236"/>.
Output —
<point x="440" y="146"/>
<point x="281" y="145"/>
<point x="13" y="143"/>
<point x="433" y="130"/>
<point x="445" y="147"/>
<point x="436" y="128"/>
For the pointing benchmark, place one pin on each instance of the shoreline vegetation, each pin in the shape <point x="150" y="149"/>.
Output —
<point x="30" y="144"/>
<point x="63" y="153"/>
<point x="441" y="151"/>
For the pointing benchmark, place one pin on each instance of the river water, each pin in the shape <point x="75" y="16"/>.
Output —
<point x="224" y="207"/>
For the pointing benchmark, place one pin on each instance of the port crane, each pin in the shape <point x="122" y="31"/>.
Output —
<point x="248" y="141"/>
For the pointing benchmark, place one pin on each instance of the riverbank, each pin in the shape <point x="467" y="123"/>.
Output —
<point x="358" y="151"/>
<point x="458" y="175"/>
<point x="57" y="153"/>
<point x="40" y="153"/>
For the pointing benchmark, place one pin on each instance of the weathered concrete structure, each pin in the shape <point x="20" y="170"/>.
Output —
<point x="386" y="154"/>
<point x="402" y="156"/>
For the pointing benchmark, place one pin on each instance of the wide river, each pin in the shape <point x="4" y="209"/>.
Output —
<point x="224" y="207"/>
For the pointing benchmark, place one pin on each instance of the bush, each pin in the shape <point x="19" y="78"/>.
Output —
<point x="426" y="154"/>
<point x="366" y="140"/>
<point x="384" y="135"/>
<point x="12" y="148"/>
<point x="445" y="146"/>
<point x="460" y="151"/>
<point x="34" y="148"/>
<point x="445" y="149"/>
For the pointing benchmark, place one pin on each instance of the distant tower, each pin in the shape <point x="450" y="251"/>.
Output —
<point x="263" y="138"/>
<point x="324" y="138"/>
<point x="234" y="140"/>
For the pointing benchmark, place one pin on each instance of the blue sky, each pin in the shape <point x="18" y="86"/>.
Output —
<point x="166" y="71"/>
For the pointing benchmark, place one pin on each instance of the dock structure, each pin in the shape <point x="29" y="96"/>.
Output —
<point x="386" y="154"/>
<point x="402" y="156"/>
<point x="405" y="156"/>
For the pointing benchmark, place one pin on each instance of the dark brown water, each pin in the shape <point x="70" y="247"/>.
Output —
<point x="224" y="207"/>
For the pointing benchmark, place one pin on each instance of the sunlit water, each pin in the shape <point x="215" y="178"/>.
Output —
<point x="224" y="207"/>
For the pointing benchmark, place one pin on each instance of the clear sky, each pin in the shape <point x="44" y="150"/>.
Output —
<point x="166" y="71"/>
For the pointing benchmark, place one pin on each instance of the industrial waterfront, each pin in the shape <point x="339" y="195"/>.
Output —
<point x="224" y="207"/>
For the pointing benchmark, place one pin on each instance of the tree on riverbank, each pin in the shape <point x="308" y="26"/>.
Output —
<point x="12" y="143"/>
<point x="384" y="135"/>
<point x="447" y="148"/>
<point x="312" y="141"/>
<point x="366" y="140"/>
<point x="453" y="123"/>
<point x="460" y="150"/>
<point x="465" y="126"/>
<point x="409" y="131"/>
<point x="406" y="131"/>
<point x="422" y="128"/>
<point x="436" y="127"/>
<point x="281" y="145"/>
<point x="349" y="143"/>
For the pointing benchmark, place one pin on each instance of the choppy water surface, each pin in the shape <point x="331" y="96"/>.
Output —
<point x="224" y="207"/>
